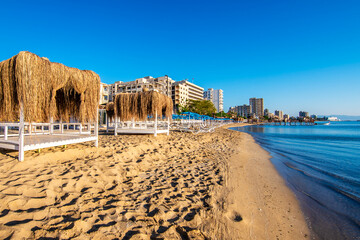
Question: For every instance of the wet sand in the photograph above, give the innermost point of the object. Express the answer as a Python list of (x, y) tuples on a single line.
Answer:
[(217, 185)]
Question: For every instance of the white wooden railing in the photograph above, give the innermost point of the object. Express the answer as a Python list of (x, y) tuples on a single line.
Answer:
[(153, 126), (45, 128), (139, 124)]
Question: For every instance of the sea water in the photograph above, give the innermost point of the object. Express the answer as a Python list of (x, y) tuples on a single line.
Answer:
[(321, 164)]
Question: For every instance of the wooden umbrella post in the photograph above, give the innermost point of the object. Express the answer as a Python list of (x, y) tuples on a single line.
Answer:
[(30, 128), (51, 126), (168, 126), (61, 126), (107, 122), (155, 124), (21, 133), (115, 130), (96, 128)]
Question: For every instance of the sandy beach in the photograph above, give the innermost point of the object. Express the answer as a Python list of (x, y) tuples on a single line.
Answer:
[(218, 185)]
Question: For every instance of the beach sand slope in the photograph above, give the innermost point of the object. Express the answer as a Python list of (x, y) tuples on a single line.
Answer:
[(183, 186)]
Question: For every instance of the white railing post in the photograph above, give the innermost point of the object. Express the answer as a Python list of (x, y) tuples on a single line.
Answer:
[(21, 133), (80, 128), (6, 132), (155, 125)]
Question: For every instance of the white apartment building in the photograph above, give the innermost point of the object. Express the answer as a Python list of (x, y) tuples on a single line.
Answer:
[(104, 93), (160, 84), (216, 97), (242, 111), (183, 91)]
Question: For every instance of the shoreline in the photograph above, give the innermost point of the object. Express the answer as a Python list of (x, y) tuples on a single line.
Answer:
[(219, 185), (272, 211)]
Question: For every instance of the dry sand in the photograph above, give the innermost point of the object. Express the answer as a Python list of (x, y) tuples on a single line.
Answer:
[(183, 186)]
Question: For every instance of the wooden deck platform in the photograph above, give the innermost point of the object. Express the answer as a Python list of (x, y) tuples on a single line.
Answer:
[(32, 142), (24, 136)]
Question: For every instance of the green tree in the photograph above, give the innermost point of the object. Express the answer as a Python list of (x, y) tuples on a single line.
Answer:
[(203, 107), (180, 108), (223, 114)]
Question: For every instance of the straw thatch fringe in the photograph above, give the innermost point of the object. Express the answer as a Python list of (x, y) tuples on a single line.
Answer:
[(110, 111), (47, 90), (139, 106)]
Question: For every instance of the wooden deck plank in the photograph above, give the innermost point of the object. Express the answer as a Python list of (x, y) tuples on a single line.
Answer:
[(40, 139), (139, 131)]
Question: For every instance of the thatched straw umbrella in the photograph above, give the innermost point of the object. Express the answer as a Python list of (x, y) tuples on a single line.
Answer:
[(138, 106), (46, 90)]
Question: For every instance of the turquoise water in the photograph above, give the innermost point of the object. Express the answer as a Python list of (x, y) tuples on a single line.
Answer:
[(321, 164)]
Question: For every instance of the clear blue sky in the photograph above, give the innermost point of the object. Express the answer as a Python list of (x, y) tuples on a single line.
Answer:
[(296, 54)]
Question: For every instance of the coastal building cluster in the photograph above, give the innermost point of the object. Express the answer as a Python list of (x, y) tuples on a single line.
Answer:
[(255, 109), (181, 92), (277, 115)]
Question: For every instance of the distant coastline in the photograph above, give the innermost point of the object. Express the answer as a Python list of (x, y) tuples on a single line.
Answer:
[(344, 117)]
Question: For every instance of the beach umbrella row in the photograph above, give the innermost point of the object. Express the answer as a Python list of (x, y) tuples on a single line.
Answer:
[(195, 116)]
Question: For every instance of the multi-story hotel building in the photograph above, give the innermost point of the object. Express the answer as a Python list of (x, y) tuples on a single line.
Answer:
[(244, 110), (257, 106), (160, 84), (104, 93), (279, 114), (216, 97), (180, 92), (184, 91)]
